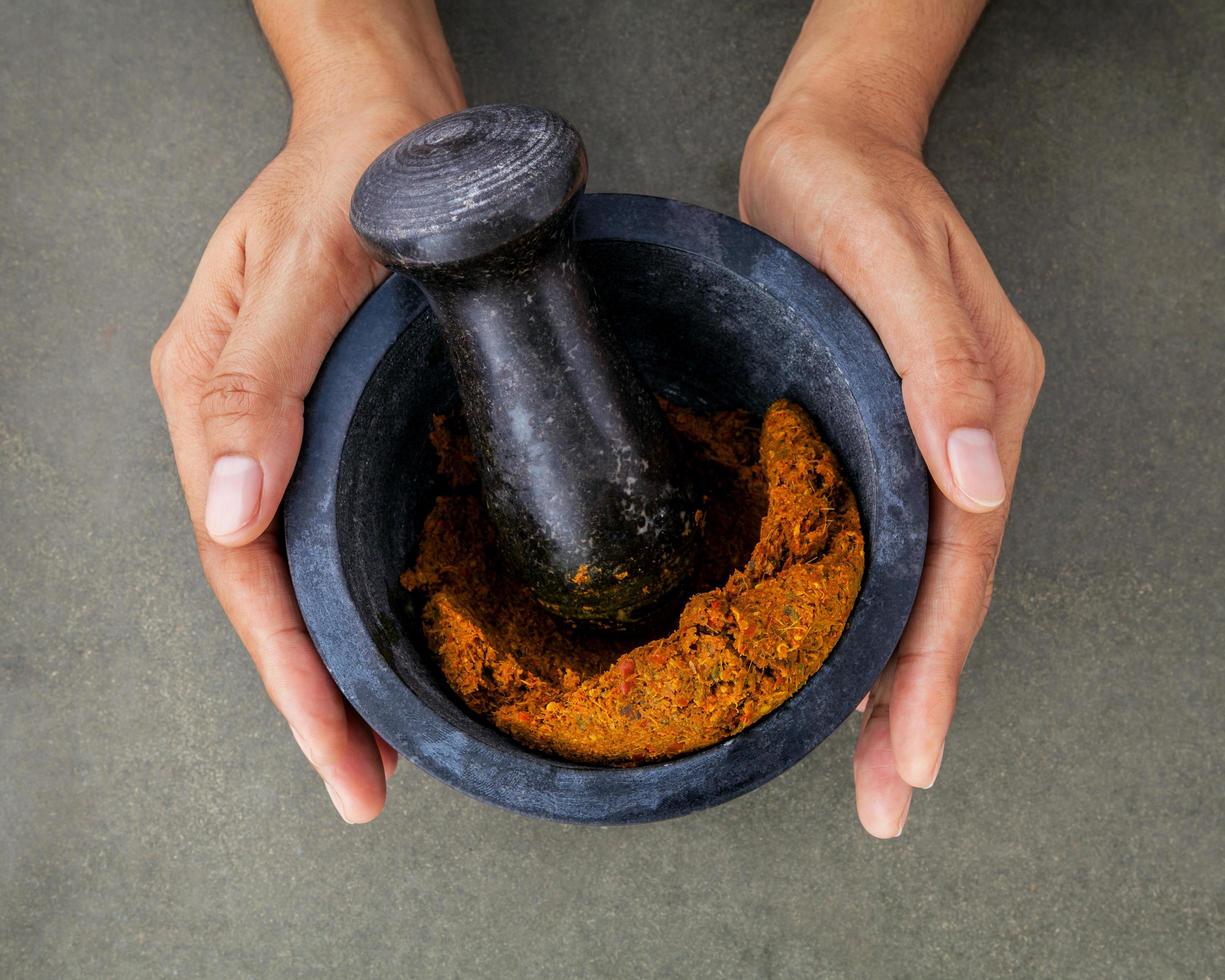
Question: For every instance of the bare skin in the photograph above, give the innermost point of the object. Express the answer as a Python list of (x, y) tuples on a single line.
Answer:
[(834, 169), (277, 282)]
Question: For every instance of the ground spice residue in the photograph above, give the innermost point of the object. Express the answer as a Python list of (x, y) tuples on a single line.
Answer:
[(781, 566)]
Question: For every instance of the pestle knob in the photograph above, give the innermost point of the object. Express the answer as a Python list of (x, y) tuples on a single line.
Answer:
[(589, 498)]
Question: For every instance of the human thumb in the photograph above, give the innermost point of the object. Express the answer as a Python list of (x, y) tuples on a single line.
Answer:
[(251, 405), (948, 380)]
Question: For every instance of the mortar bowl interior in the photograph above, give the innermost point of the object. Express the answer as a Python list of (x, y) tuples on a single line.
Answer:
[(715, 315)]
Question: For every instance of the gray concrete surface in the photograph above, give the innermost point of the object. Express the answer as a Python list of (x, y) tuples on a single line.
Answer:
[(155, 817)]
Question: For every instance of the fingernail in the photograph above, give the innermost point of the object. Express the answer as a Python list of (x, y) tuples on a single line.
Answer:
[(936, 768), (337, 801), (975, 463), (233, 495), (901, 824)]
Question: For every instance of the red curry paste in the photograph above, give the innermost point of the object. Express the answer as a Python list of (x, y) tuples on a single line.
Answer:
[(782, 562)]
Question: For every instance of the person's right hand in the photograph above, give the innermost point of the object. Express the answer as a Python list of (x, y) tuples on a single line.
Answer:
[(279, 279)]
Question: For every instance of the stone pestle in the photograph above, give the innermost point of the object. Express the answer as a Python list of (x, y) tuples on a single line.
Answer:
[(590, 499)]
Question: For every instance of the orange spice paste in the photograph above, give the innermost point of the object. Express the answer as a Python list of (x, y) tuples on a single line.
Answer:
[(780, 569)]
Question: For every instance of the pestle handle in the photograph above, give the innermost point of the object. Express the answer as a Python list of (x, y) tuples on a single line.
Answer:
[(579, 471), (461, 188)]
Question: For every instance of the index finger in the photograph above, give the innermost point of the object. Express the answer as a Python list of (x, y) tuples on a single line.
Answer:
[(948, 611), (252, 583)]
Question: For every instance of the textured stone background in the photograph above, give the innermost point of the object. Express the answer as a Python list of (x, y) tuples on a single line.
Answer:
[(156, 818)]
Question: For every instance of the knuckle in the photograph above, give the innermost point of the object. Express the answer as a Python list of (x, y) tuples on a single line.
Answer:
[(168, 367), (942, 657), (957, 362), (1023, 365), (978, 553), (1038, 362), (234, 397), (988, 595), (178, 359), (156, 359)]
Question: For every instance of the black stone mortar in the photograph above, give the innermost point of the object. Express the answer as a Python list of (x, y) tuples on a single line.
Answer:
[(715, 315)]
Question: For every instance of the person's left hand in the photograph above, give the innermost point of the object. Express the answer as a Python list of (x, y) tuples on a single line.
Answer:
[(847, 188)]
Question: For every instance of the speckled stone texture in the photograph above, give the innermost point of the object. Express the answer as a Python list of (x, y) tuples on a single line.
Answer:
[(155, 816), (580, 476), (714, 315)]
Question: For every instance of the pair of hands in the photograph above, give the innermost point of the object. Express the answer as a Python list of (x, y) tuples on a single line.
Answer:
[(284, 272)]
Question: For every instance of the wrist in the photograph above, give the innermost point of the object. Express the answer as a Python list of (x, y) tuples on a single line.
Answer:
[(370, 79), (353, 126), (374, 58), (337, 108), (876, 66), (862, 97)]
